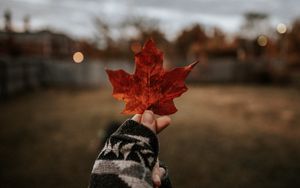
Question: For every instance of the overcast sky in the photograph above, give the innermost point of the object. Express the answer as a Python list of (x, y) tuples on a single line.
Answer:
[(75, 17)]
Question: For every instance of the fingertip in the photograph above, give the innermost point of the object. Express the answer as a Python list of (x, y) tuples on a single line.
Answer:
[(137, 118), (162, 172), (168, 119), (162, 123), (156, 180), (148, 120)]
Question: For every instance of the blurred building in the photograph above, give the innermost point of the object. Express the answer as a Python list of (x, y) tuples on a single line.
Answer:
[(29, 60), (40, 44), (43, 44)]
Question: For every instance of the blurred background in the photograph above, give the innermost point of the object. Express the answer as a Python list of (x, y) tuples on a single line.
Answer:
[(237, 126)]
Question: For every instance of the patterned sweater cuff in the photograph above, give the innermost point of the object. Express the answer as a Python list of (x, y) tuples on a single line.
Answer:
[(134, 142), (130, 127)]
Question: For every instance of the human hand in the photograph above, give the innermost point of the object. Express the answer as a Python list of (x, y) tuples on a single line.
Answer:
[(156, 125)]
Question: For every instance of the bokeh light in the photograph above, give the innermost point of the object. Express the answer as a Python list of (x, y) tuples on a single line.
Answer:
[(281, 28), (78, 57), (262, 40)]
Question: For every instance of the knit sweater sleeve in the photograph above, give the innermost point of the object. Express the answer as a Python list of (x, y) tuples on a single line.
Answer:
[(127, 159)]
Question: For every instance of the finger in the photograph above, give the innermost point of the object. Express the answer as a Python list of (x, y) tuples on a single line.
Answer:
[(137, 118), (148, 120), (162, 172), (156, 175), (156, 180), (162, 123)]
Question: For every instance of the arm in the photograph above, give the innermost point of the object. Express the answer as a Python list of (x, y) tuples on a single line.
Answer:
[(129, 155)]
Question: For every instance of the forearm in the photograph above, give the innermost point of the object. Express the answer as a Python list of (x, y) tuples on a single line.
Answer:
[(127, 158)]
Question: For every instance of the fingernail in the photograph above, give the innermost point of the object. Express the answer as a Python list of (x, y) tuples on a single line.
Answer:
[(147, 117)]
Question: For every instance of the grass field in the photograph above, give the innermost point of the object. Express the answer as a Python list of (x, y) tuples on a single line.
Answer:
[(222, 136)]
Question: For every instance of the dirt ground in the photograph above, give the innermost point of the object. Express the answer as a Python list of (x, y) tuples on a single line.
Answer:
[(222, 136)]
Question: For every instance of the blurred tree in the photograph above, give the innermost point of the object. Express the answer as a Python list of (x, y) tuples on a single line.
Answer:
[(293, 45), (8, 24), (217, 41), (255, 23), (218, 47), (194, 38), (105, 40), (144, 29), (103, 37), (141, 24), (26, 22), (116, 40)]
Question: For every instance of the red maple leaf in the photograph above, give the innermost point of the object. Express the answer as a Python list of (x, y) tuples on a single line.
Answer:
[(150, 87)]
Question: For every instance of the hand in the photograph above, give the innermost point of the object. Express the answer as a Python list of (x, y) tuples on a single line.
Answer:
[(148, 120), (156, 125)]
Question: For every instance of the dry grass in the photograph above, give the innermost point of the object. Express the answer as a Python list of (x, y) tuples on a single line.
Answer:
[(227, 136)]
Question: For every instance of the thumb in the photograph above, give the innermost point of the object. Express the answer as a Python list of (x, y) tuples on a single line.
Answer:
[(148, 120)]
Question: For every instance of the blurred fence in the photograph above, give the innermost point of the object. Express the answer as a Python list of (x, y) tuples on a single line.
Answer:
[(231, 71), (21, 75), (216, 72), (17, 76), (73, 75)]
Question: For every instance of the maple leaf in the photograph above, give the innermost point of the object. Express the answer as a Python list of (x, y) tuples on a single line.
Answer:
[(150, 87)]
